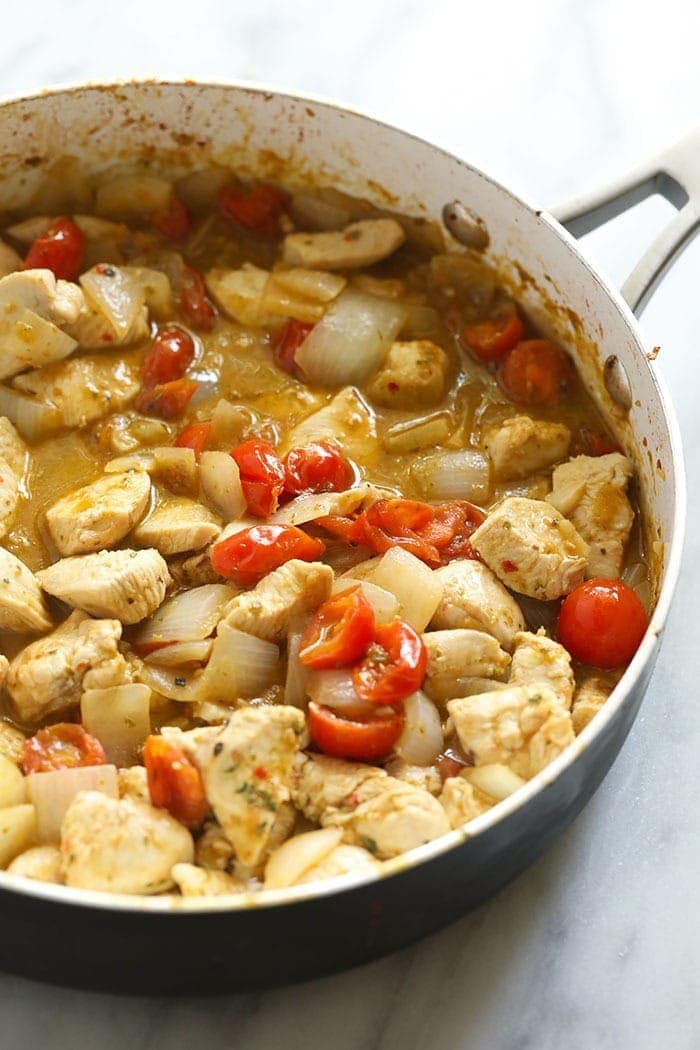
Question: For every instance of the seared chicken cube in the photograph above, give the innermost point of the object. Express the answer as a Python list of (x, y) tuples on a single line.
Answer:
[(347, 420), (538, 658), (464, 653), (9, 496), (462, 802), (293, 590), (522, 446), (473, 598), (202, 882), (212, 849), (100, 514), (22, 606), (343, 860), (42, 863), (591, 492), (589, 697), (12, 449), (38, 290), (413, 375), (132, 782), (11, 738), (426, 777), (359, 244), (116, 670), (85, 388), (177, 525), (532, 548)]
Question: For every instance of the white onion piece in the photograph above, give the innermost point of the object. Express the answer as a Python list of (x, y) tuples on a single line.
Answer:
[(221, 484), (444, 687), (175, 654), (314, 211), (289, 861), (496, 780), (176, 467), (13, 789), (385, 605), (318, 285), (229, 422), (351, 340), (34, 419), (180, 685), (240, 665), (454, 475), (297, 675), (115, 294), (414, 435), (128, 197), (312, 505), (415, 585), (335, 689), (120, 718), (52, 793), (187, 617), (421, 739)]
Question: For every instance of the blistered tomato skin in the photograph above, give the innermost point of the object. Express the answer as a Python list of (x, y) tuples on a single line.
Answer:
[(340, 633), (357, 741), (174, 782), (602, 623), (60, 250), (250, 554), (61, 746)]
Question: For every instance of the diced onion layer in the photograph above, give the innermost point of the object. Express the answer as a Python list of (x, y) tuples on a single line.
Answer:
[(52, 793), (34, 419), (454, 475), (188, 617), (295, 856), (114, 293), (336, 689), (120, 718), (385, 605), (496, 780), (221, 484), (240, 666), (415, 585), (421, 740)]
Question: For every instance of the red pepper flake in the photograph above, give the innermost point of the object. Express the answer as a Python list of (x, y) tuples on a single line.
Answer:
[(509, 566), (260, 772)]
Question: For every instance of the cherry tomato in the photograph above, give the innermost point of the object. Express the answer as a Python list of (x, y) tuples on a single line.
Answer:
[(262, 476), (346, 738), (489, 340), (286, 343), (588, 443), (174, 782), (61, 746), (396, 523), (258, 209), (453, 523), (338, 526), (319, 467), (536, 372), (250, 554), (167, 400), (172, 222), (394, 666), (199, 312), (196, 436), (171, 354), (340, 632), (60, 250), (602, 623)]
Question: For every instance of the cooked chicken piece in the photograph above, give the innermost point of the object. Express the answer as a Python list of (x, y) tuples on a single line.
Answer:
[(239, 293), (523, 726), (522, 446), (12, 449), (413, 375), (11, 738), (22, 606), (42, 863), (473, 598), (120, 845), (85, 388), (202, 882), (133, 783), (292, 591), (127, 585), (246, 769), (360, 244), (464, 653), (346, 420), (13, 463), (100, 514), (212, 849), (589, 697), (112, 672), (46, 677), (343, 860), (591, 492), (462, 802), (538, 658), (9, 497), (177, 525), (38, 291), (4, 665), (376, 811), (426, 777), (532, 548), (194, 570), (9, 260), (175, 468)]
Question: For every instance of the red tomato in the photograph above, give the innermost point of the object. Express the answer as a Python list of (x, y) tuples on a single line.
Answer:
[(258, 209), (60, 250), (536, 372), (588, 443), (286, 343), (171, 354), (319, 467), (602, 623), (262, 476), (340, 632), (250, 554), (196, 307), (196, 436), (61, 746), (394, 666), (453, 523), (396, 523), (489, 340), (174, 782), (173, 222), (167, 400), (346, 738), (338, 526)]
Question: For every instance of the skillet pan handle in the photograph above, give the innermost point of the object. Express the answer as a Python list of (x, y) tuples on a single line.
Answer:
[(675, 174)]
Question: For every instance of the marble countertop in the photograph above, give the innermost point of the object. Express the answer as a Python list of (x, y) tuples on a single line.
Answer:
[(597, 945)]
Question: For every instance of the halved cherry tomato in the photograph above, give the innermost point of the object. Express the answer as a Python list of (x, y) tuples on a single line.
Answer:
[(340, 632), (337, 525), (394, 666), (396, 523), (286, 343), (250, 554), (453, 523), (167, 400), (258, 209), (346, 738), (602, 623), (196, 436), (536, 372), (490, 340), (194, 303), (171, 354), (172, 222), (318, 467), (174, 782), (589, 443), (61, 746), (262, 476), (60, 250)]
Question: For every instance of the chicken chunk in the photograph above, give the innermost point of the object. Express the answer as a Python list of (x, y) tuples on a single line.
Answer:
[(426, 777), (343, 860), (213, 850), (524, 727), (522, 446), (46, 677), (177, 525), (12, 449), (100, 514), (293, 590), (22, 606), (38, 290), (126, 585), (532, 548), (474, 598), (538, 658), (85, 388), (116, 670), (464, 653), (360, 244), (32, 307), (9, 496), (591, 492), (413, 375), (120, 845), (589, 697), (246, 769), (42, 863), (132, 782), (11, 738), (239, 293), (462, 802), (202, 882), (347, 420)]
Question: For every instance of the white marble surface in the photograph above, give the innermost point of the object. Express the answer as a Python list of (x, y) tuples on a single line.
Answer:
[(597, 946)]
